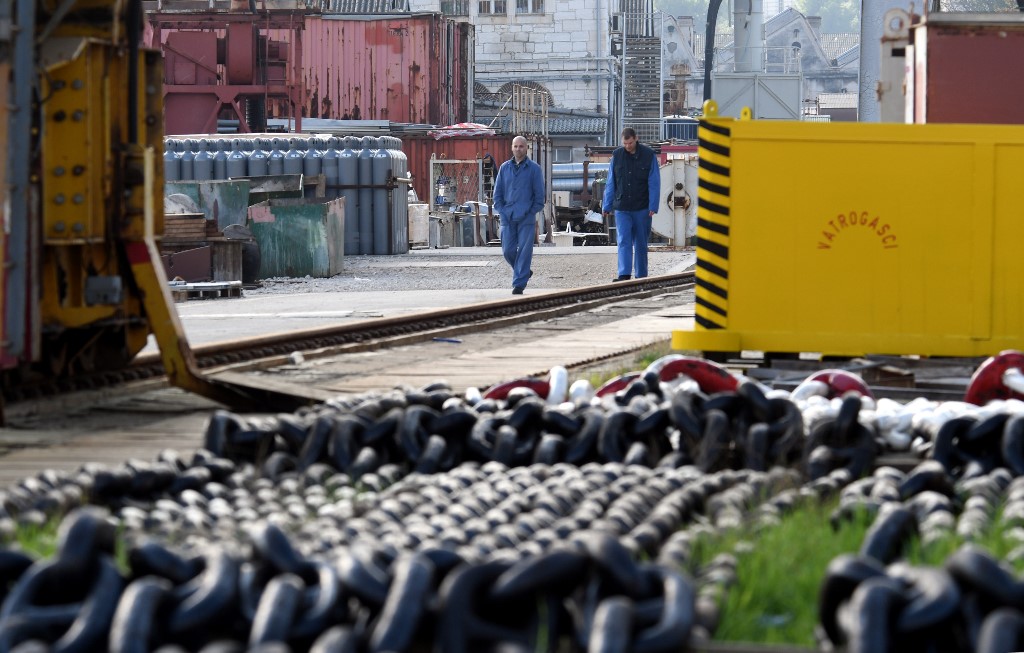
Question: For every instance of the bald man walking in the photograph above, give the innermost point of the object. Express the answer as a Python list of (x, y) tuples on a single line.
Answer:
[(518, 196)]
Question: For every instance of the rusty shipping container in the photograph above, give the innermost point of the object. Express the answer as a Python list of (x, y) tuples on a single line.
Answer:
[(404, 68), (963, 68), (419, 150)]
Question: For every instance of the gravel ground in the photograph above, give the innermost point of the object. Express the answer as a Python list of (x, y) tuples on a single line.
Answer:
[(473, 268)]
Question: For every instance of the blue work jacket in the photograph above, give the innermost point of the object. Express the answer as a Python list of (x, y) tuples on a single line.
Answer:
[(519, 190)]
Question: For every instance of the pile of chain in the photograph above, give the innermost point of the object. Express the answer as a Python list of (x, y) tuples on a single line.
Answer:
[(549, 561), (647, 423), (386, 521), (874, 601)]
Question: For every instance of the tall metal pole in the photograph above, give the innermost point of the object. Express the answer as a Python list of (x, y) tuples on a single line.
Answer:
[(872, 13), (661, 79), (622, 67)]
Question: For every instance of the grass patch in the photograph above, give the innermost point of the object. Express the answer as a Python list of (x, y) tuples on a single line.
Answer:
[(991, 539), (40, 542), (641, 359), (778, 578), (775, 598)]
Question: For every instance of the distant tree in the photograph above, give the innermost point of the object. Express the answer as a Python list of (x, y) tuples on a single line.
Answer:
[(836, 15)]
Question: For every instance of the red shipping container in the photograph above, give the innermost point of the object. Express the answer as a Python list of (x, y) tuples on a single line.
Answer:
[(404, 68), (419, 149), (964, 68)]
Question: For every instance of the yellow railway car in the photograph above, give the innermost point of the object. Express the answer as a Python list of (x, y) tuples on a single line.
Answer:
[(81, 287)]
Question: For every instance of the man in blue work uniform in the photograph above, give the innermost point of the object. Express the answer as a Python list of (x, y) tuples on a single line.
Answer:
[(518, 195), (632, 192)]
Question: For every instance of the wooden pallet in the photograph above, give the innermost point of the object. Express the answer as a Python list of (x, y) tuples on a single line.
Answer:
[(214, 290)]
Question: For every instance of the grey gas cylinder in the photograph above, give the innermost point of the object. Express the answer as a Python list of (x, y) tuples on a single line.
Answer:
[(330, 167), (369, 148), (172, 161), (312, 165), (188, 156), (348, 175), (238, 163), (220, 159), (275, 160), (382, 171), (293, 158), (399, 199), (258, 162), (202, 164)]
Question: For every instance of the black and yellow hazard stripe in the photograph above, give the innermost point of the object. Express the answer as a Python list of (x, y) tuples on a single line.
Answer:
[(712, 293)]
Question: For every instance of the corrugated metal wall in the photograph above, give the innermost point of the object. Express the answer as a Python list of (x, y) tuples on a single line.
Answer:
[(418, 151), (405, 69)]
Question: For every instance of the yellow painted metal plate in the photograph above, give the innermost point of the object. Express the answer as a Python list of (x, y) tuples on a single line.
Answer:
[(868, 238)]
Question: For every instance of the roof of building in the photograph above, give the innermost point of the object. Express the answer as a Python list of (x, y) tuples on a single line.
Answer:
[(850, 57), (567, 125), (780, 19), (838, 43), (367, 6), (837, 101)]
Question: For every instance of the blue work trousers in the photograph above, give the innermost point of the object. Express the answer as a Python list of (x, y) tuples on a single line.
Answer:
[(517, 245), (632, 231)]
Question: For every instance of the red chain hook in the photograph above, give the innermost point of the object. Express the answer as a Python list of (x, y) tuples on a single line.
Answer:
[(988, 383), (710, 376), (840, 382)]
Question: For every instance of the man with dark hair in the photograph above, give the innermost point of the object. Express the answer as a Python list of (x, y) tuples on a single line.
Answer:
[(518, 195), (632, 192)]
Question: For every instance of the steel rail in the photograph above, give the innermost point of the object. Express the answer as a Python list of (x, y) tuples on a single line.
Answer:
[(273, 349)]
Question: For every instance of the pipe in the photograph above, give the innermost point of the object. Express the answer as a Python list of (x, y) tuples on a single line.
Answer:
[(709, 45), (552, 112), (600, 48), (500, 78), (572, 184), (563, 170)]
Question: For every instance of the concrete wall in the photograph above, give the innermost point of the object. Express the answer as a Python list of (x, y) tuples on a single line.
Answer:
[(563, 50)]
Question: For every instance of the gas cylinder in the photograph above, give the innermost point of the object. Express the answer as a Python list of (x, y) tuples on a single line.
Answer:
[(172, 161), (275, 160), (202, 164), (330, 167), (258, 163), (220, 159), (399, 199), (369, 148), (293, 158), (382, 172), (187, 157), (348, 175), (238, 163), (312, 163)]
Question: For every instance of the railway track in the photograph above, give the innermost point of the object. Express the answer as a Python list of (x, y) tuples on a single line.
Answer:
[(268, 351)]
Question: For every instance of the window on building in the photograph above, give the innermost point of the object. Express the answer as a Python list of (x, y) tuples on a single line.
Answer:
[(492, 7), (529, 6), (563, 155), (455, 7)]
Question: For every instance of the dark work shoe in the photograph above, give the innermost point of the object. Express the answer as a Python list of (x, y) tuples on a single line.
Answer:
[(621, 277), (518, 290)]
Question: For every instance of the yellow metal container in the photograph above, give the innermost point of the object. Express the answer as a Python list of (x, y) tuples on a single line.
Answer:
[(857, 238)]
